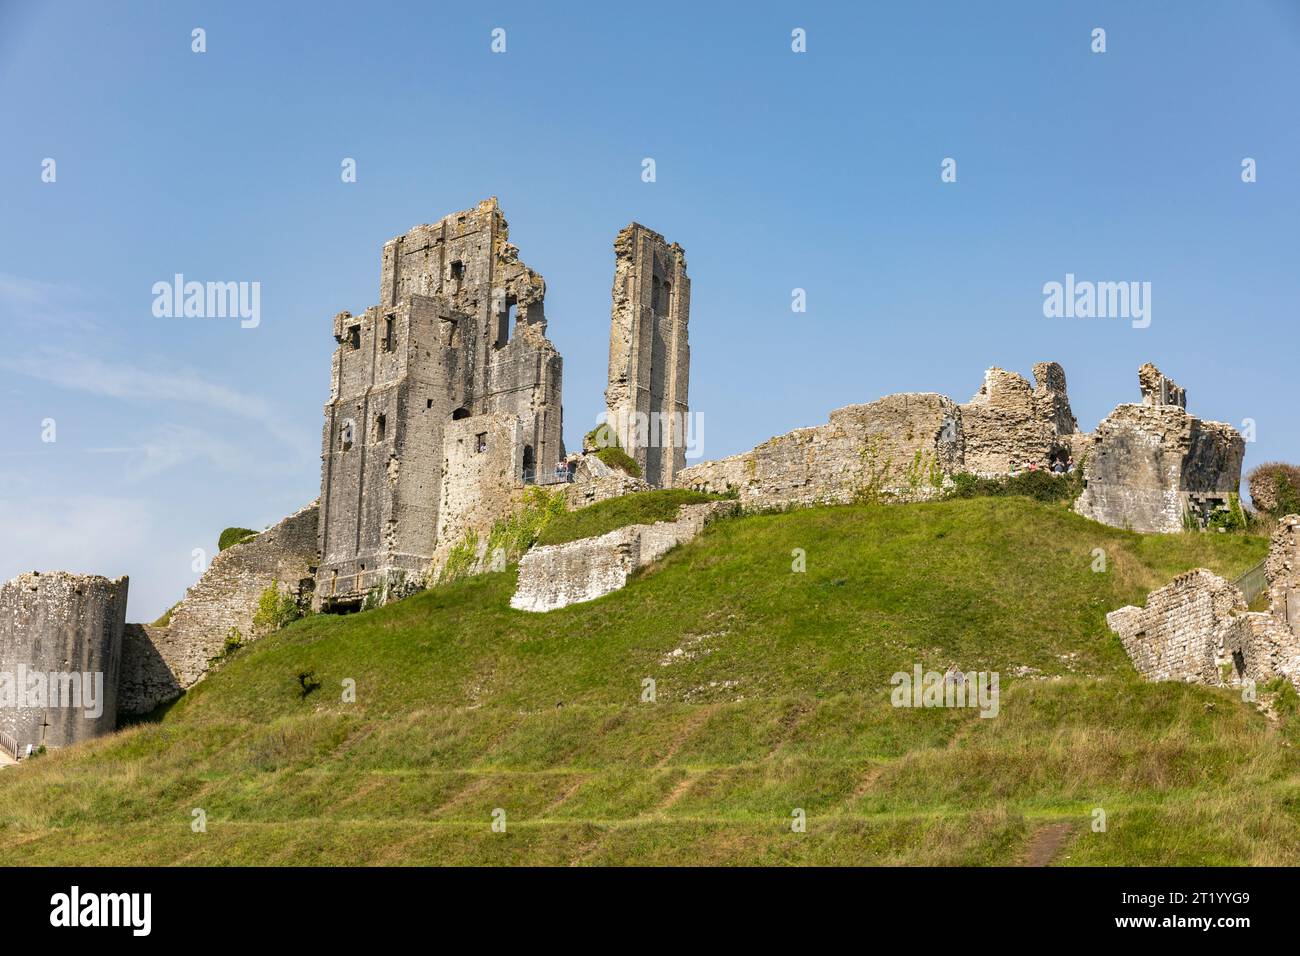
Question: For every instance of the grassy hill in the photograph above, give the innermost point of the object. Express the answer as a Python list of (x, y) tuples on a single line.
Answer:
[(772, 694)]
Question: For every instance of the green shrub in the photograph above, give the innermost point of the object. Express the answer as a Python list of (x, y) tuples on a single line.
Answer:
[(1275, 488), (1039, 485), (1229, 519), (233, 642), (275, 609), (307, 682), (233, 536), (1286, 491)]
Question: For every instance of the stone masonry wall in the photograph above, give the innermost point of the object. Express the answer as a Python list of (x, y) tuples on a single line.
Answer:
[(649, 352), (60, 624), (1197, 629), (1283, 573), (1150, 464), (889, 441), (1010, 424), (460, 331), (555, 576), (223, 601), (1144, 461), (482, 478), (1175, 636)]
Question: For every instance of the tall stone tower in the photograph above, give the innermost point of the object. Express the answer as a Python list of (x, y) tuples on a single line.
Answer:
[(649, 352), (460, 332)]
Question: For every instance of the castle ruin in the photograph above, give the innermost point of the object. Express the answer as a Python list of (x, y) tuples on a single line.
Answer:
[(1151, 466), (445, 406), (1199, 628), (649, 353), (459, 336)]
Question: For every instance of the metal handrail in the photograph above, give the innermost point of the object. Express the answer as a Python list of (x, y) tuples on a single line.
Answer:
[(9, 744), (1253, 582)]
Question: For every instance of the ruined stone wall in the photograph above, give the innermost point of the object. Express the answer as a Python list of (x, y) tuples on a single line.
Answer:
[(460, 331), (587, 490), (555, 576), (890, 444), (1176, 635), (222, 601), (482, 477), (649, 352), (1282, 570), (1197, 629), (1010, 424), (1159, 389), (392, 393), (1144, 461), (54, 625)]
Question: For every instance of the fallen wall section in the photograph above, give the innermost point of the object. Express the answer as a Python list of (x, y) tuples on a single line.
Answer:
[(557, 575)]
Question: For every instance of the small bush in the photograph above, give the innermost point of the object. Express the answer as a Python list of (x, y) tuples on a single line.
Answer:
[(307, 682), (1230, 519), (233, 536), (233, 642)]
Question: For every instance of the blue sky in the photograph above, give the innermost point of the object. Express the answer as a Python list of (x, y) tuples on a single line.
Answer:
[(775, 171)]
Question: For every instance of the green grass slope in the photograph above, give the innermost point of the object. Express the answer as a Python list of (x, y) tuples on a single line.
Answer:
[(772, 696)]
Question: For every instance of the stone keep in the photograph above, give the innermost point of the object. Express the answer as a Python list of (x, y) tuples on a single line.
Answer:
[(460, 331), (649, 352), (66, 628)]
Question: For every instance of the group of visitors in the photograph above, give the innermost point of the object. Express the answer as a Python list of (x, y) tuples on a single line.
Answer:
[(1057, 466)]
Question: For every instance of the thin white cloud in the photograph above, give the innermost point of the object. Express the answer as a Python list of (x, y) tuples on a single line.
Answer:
[(88, 534), (124, 380), (48, 304), (97, 534), (170, 446)]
